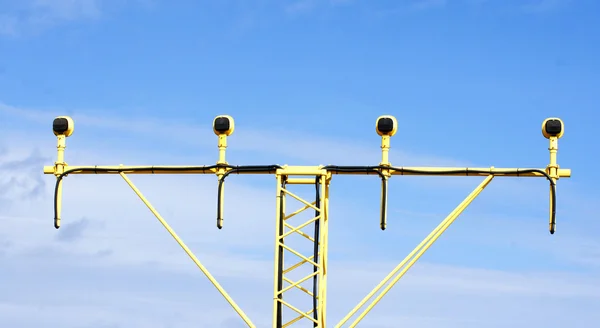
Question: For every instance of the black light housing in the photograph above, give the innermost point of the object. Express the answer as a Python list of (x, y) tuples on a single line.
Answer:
[(63, 125), (223, 125), (553, 128)]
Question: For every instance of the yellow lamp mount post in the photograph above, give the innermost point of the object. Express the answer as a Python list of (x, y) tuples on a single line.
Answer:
[(319, 177)]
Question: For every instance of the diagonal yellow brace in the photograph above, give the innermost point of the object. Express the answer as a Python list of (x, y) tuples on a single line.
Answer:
[(290, 281), (297, 229), (296, 319), (414, 255), (291, 250), (304, 314), (305, 207), (298, 198), (189, 253), (297, 283), (301, 233), (297, 265)]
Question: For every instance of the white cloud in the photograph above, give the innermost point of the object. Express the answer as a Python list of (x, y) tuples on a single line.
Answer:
[(246, 138), (32, 16), (115, 265), (35, 15), (78, 294)]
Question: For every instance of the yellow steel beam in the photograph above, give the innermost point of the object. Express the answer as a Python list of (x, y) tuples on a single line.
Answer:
[(304, 170), (188, 252), (278, 271), (411, 259), (324, 251)]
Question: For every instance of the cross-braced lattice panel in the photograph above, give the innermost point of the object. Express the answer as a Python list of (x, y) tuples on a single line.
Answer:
[(303, 269)]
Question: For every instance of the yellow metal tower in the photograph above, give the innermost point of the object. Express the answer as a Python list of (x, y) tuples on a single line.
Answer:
[(319, 178)]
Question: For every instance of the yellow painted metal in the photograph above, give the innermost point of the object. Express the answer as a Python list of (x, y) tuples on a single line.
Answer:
[(302, 170), (307, 170), (554, 172), (221, 171), (324, 252), (278, 262), (188, 252), (411, 259), (58, 168), (222, 149), (134, 169), (475, 171), (309, 181), (279, 303), (386, 173), (320, 176), (385, 150)]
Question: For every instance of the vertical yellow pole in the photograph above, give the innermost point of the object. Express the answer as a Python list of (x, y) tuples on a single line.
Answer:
[(385, 150), (221, 171), (222, 148), (385, 161), (60, 158), (59, 168), (324, 238), (277, 281), (282, 240), (282, 216)]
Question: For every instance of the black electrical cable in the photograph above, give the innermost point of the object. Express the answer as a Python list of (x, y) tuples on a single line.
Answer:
[(154, 169), (467, 171), (239, 169), (318, 211), (367, 169), (499, 172), (330, 168)]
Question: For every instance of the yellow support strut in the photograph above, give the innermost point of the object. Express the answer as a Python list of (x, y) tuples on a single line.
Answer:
[(188, 252), (414, 256)]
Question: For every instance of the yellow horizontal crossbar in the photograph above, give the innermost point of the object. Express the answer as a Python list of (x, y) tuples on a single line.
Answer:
[(476, 171), (308, 170), (458, 171), (137, 169), (303, 181)]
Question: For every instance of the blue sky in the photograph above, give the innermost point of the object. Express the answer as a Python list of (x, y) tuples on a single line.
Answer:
[(470, 82)]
